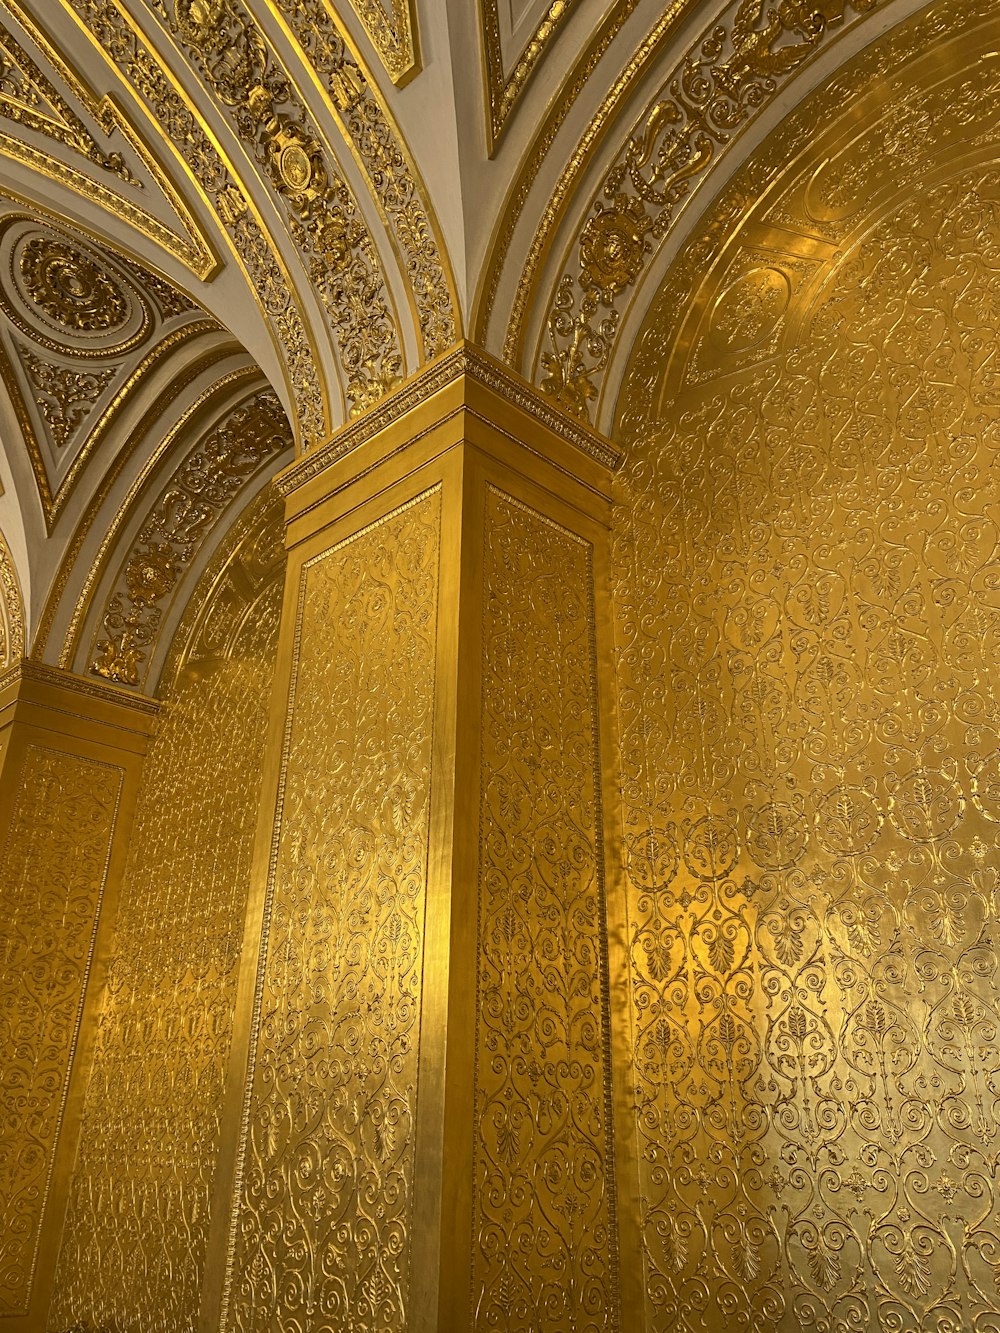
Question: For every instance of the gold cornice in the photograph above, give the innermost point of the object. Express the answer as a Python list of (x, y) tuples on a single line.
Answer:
[(50, 677), (464, 361)]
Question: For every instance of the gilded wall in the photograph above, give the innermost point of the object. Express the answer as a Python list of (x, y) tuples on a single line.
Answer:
[(324, 1215), (808, 613), (53, 869), (134, 1244), (545, 1246)]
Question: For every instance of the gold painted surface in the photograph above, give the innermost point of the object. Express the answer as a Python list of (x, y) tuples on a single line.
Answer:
[(52, 879), (134, 1247), (544, 1237), (322, 1226), (808, 622), (11, 609)]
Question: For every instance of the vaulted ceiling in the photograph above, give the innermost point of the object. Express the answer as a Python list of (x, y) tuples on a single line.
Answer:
[(226, 226)]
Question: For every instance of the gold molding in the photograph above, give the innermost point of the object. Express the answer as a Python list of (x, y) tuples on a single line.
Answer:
[(251, 376), (192, 246), (560, 108), (11, 608), (89, 516), (397, 42), (114, 33), (353, 99), (503, 90), (466, 360), (237, 447), (53, 503), (41, 674)]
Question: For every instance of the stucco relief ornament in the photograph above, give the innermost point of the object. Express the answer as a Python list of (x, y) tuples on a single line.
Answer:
[(69, 288), (613, 247)]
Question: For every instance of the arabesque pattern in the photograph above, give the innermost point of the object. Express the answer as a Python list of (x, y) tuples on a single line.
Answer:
[(135, 1243), (324, 1220), (809, 625), (52, 879), (544, 1236)]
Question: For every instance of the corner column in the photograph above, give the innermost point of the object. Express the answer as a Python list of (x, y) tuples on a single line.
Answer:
[(70, 757), (426, 1076)]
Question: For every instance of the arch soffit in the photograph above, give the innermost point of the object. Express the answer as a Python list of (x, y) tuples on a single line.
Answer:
[(917, 106)]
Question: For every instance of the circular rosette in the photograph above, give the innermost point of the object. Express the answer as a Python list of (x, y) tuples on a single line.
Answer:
[(67, 295)]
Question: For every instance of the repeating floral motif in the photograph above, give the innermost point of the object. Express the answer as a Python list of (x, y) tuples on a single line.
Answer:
[(809, 624), (323, 1215), (544, 1235), (52, 880), (134, 1246)]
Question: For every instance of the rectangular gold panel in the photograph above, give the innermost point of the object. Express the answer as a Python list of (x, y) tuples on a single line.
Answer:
[(134, 1246), (322, 1231), (545, 1244), (53, 873)]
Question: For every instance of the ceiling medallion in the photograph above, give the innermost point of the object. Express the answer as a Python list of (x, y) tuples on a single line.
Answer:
[(69, 287), (67, 296)]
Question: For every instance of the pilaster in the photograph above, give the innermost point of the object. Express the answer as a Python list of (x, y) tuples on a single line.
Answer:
[(430, 1068)]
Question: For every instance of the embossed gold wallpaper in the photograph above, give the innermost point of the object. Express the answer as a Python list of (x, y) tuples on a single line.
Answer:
[(499, 682)]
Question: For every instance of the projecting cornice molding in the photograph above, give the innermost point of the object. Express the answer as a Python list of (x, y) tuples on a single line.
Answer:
[(467, 362)]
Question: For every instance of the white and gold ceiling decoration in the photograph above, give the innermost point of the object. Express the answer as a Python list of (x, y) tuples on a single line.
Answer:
[(327, 195)]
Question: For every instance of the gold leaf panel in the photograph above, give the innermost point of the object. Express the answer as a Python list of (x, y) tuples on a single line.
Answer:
[(134, 1247), (52, 880), (544, 1231), (324, 1207)]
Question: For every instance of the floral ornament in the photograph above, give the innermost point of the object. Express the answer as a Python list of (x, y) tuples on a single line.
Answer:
[(151, 574), (613, 246), (69, 287)]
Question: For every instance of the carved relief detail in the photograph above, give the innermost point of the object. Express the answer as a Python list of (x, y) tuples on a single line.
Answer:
[(391, 174), (64, 395), (134, 1247), (112, 30), (543, 1212), (734, 70), (807, 626), (328, 227), (323, 1218), (12, 645), (248, 437), (52, 878)]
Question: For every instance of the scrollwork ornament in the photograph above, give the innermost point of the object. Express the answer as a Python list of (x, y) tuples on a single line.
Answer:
[(734, 70)]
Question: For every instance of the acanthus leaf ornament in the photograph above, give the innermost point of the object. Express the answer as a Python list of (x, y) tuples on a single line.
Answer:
[(225, 41)]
